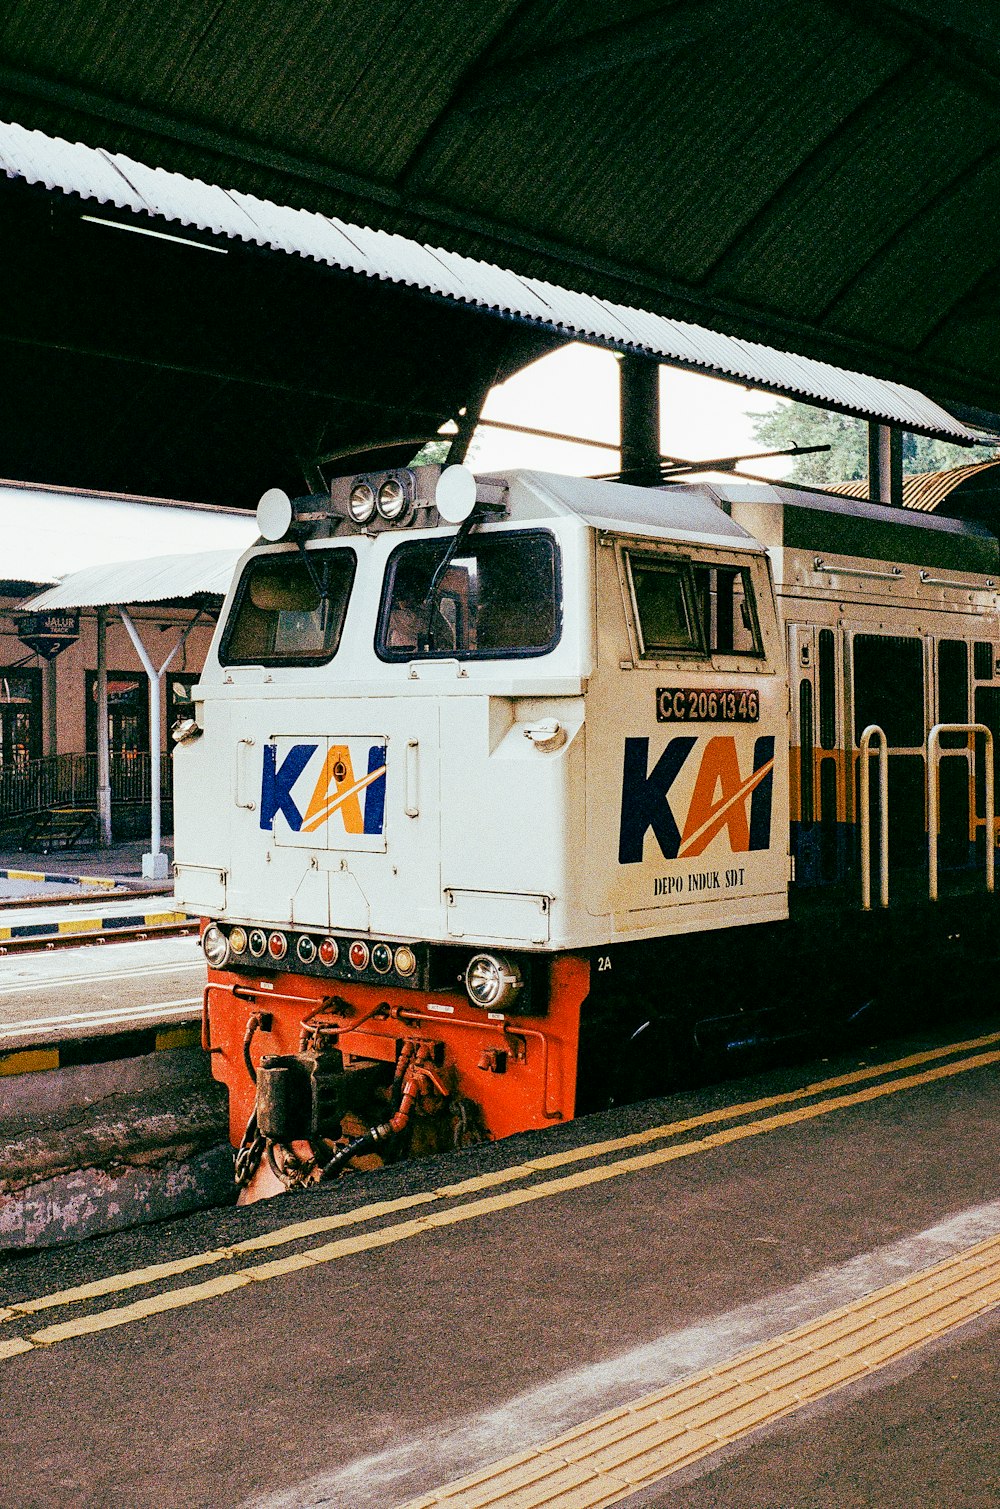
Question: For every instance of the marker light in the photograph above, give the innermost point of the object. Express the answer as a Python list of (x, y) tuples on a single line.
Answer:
[(216, 946), (358, 954), (361, 503), (258, 943), (306, 950), (328, 952), (392, 499), (492, 981), (382, 958), (277, 945), (405, 961), (238, 940)]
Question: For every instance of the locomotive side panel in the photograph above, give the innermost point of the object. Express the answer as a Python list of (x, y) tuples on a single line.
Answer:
[(687, 771)]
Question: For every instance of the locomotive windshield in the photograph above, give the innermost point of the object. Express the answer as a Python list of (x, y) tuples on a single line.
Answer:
[(497, 598), (289, 611)]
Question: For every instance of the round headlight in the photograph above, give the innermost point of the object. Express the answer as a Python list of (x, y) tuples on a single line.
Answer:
[(216, 946), (361, 503), (392, 499), (405, 961), (492, 981), (238, 940)]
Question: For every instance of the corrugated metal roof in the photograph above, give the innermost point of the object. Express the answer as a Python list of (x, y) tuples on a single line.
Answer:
[(924, 491), (162, 578), (117, 180)]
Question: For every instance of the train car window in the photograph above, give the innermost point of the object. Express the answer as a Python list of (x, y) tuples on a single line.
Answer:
[(889, 688), (806, 754), (953, 688), (667, 617), (827, 690), (287, 612), (500, 598), (988, 712), (982, 660), (687, 608), (726, 604)]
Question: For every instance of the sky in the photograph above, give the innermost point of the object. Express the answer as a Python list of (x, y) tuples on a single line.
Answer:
[(574, 391)]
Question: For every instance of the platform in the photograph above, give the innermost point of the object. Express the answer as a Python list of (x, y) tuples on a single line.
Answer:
[(481, 1313)]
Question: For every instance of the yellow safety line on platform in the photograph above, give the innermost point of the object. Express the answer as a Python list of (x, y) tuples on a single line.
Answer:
[(299, 1230), (389, 1235), (609, 1458)]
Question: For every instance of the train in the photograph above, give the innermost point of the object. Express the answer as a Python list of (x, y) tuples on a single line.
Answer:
[(506, 795)]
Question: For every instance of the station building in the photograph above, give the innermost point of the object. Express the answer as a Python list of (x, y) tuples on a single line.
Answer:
[(49, 662)]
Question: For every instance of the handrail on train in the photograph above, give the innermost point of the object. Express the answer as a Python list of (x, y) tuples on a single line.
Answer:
[(874, 735), (934, 756)]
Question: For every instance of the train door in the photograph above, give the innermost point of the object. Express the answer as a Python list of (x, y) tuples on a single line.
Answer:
[(889, 679), (818, 788)]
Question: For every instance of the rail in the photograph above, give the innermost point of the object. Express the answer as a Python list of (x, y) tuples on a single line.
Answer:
[(934, 756), (874, 735), (31, 786)]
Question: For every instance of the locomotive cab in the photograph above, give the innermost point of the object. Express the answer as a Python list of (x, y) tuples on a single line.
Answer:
[(444, 769)]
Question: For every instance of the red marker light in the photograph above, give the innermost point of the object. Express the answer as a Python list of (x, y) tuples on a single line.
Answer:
[(358, 954), (277, 945), (328, 952)]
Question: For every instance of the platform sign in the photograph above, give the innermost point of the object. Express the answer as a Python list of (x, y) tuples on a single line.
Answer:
[(48, 634)]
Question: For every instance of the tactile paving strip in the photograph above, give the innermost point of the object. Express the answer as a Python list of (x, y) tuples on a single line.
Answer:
[(605, 1460)]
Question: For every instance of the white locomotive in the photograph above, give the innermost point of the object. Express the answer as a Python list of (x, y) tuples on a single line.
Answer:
[(497, 792)]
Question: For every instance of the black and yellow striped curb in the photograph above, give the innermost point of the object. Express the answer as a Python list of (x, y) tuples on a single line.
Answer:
[(107, 882), (81, 926), (73, 1053)]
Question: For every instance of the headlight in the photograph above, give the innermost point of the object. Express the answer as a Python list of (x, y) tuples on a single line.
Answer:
[(361, 502), (392, 499), (216, 946), (492, 981), (405, 961)]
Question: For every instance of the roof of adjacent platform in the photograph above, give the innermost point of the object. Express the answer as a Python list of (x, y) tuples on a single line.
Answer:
[(162, 579), (821, 177)]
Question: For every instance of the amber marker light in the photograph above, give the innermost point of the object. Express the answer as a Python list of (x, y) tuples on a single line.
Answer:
[(238, 940)]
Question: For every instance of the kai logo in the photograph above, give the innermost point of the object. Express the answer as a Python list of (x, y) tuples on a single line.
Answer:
[(359, 801), (719, 800)]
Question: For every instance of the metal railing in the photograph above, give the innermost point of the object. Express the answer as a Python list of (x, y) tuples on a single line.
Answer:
[(70, 780), (874, 735), (934, 756)]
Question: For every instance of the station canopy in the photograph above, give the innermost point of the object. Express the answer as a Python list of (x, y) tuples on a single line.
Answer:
[(824, 178), (178, 337)]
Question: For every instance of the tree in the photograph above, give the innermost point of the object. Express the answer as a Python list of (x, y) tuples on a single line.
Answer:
[(847, 459)]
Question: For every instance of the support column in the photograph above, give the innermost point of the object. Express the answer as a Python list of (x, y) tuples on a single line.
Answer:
[(103, 735), (51, 709), (639, 377), (155, 865), (885, 464)]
